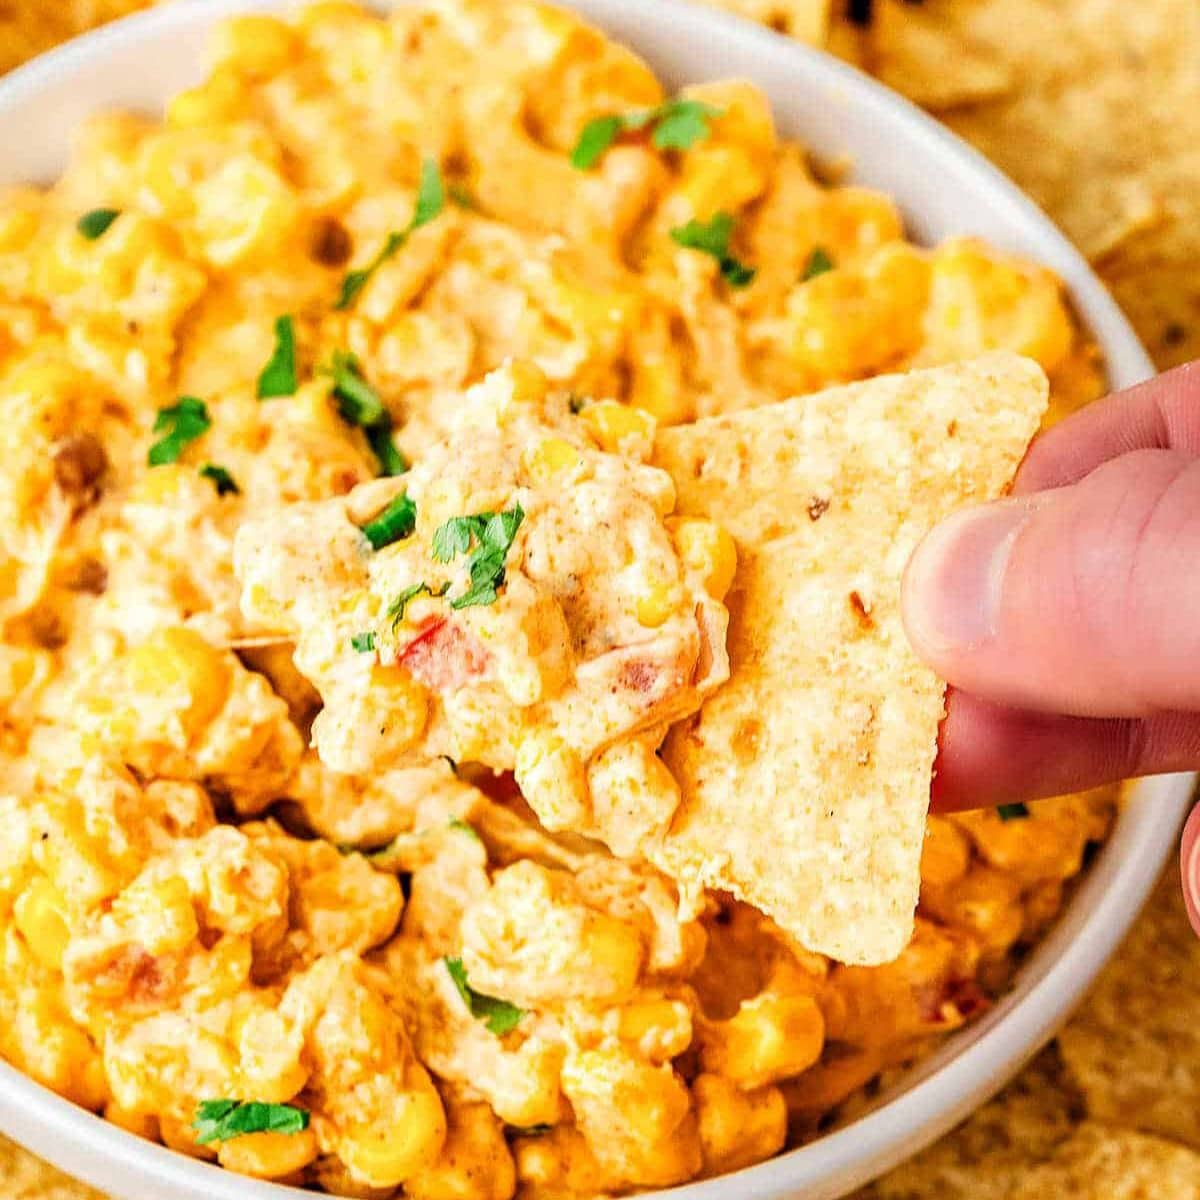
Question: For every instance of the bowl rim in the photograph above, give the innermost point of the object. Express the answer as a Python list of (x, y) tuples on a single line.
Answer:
[(970, 1065)]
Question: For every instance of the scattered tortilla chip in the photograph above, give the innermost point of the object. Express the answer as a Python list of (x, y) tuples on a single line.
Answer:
[(1133, 1049), (805, 20), (1098, 1162), (805, 779), (986, 1157), (24, 1177), (937, 66), (1103, 214)]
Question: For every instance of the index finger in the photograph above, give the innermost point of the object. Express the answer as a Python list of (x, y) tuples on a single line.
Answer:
[(1160, 414)]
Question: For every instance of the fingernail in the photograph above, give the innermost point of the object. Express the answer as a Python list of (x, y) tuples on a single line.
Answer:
[(954, 583)]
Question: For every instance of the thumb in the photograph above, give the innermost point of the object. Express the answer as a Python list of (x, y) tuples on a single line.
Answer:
[(1083, 600)]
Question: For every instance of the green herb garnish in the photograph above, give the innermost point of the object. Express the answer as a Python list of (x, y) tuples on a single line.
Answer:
[(499, 1016), (431, 198), (1012, 812), (818, 263), (360, 404), (278, 377), (399, 606), (678, 125), (220, 1120), (492, 535), (396, 521), (460, 194), (389, 456), (221, 478), (95, 224), (182, 422), (712, 238), (364, 643)]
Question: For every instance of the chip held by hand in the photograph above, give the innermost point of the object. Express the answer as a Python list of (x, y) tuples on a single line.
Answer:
[(805, 778)]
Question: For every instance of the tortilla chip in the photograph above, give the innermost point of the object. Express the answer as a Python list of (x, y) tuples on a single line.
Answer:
[(805, 779), (1133, 1049), (987, 1156), (805, 20), (1101, 1163), (27, 1178), (934, 64)]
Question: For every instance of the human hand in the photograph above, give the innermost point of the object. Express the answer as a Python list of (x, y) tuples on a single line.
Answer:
[(1067, 617)]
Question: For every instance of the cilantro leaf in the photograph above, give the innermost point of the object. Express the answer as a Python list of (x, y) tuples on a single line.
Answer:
[(682, 123), (431, 195), (95, 224), (594, 139), (678, 125), (180, 423), (360, 404), (492, 535), (221, 1120), (396, 521), (712, 238), (364, 643), (221, 478), (278, 377), (399, 606), (1012, 812), (499, 1016), (431, 199), (818, 263)]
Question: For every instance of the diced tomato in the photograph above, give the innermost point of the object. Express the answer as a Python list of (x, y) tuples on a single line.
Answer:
[(444, 656)]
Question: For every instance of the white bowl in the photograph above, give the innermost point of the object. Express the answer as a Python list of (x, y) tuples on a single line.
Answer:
[(944, 188)]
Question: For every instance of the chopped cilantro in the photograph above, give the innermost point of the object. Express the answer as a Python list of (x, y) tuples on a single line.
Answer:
[(499, 1016), (399, 606), (180, 423), (712, 238), (396, 521), (1012, 812), (461, 826), (492, 534), (278, 377), (220, 1120), (95, 224), (221, 479), (818, 263), (360, 404), (364, 643), (431, 198), (678, 125)]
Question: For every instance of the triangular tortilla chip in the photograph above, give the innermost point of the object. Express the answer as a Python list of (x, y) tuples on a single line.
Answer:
[(806, 777)]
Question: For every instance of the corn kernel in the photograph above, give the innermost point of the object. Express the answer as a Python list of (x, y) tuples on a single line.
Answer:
[(658, 1029), (387, 1152), (217, 99), (160, 485), (709, 551), (656, 605), (770, 1038), (40, 914), (255, 45), (268, 1155), (529, 383), (552, 456), (552, 779), (179, 665), (140, 1124), (618, 428), (737, 1128)]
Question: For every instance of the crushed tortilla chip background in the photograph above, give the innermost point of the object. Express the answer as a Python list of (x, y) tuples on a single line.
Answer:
[(1093, 107)]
